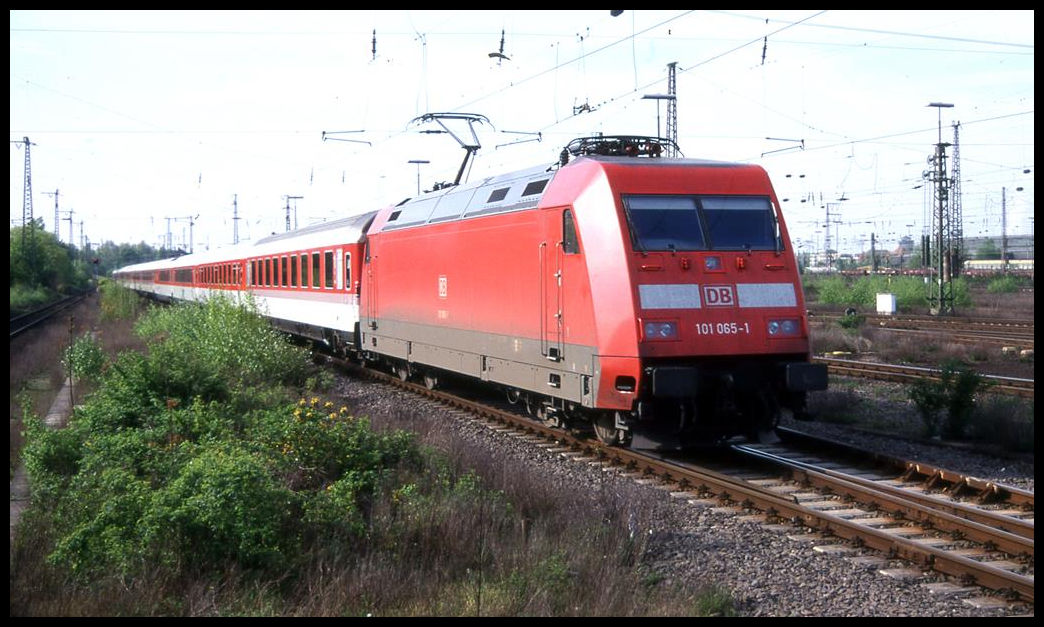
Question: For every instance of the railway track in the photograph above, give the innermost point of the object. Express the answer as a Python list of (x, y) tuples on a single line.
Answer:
[(908, 374), (21, 324), (1018, 333), (977, 532), (908, 321)]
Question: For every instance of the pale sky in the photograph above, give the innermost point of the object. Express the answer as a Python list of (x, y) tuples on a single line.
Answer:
[(144, 120)]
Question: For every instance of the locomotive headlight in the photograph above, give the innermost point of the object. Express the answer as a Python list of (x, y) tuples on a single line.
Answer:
[(660, 330), (787, 327)]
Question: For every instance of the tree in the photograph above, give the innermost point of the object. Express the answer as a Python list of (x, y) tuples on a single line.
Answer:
[(988, 250)]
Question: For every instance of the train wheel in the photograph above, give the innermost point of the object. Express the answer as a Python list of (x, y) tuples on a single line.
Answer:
[(403, 372), (431, 381), (605, 429)]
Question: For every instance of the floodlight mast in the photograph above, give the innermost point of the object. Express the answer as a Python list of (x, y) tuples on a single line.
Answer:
[(471, 119)]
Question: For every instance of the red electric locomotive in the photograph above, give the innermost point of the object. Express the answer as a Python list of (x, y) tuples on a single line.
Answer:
[(657, 299)]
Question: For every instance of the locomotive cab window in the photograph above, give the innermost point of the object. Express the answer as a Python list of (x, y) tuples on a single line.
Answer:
[(676, 223), (740, 222)]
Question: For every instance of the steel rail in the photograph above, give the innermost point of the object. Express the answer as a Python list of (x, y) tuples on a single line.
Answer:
[(948, 517)]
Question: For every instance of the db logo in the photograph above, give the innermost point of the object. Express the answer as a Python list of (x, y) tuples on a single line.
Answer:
[(719, 296), (443, 286)]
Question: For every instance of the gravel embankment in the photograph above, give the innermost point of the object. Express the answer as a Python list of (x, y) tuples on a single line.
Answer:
[(767, 572)]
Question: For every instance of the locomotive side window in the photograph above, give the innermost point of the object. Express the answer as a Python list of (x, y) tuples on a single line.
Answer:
[(328, 269), (740, 222), (570, 243), (348, 271)]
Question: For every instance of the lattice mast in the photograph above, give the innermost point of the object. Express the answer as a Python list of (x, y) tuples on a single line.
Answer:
[(940, 296), (27, 198), (957, 256), (672, 110)]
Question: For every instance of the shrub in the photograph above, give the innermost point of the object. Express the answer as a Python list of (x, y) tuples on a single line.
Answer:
[(1003, 285), (84, 358), (117, 302), (962, 385), (910, 292), (223, 506), (209, 349), (955, 391), (929, 397)]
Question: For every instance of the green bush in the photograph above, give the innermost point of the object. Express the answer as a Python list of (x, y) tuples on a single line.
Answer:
[(117, 302), (1003, 285), (210, 349), (223, 506), (24, 298), (84, 358), (910, 291), (955, 391), (962, 384)]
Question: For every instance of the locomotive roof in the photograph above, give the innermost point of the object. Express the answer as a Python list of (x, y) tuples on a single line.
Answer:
[(513, 191)]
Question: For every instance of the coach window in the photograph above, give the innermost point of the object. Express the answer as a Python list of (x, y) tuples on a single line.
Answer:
[(348, 271), (570, 244), (328, 269), (304, 271), (278, 267), (316, 270), (286, 272), (293, 271), (268, 272)]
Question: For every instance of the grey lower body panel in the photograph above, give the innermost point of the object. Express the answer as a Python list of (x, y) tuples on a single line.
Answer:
[(507, 360)]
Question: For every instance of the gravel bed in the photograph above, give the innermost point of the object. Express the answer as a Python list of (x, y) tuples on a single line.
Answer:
[(700, 545)]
